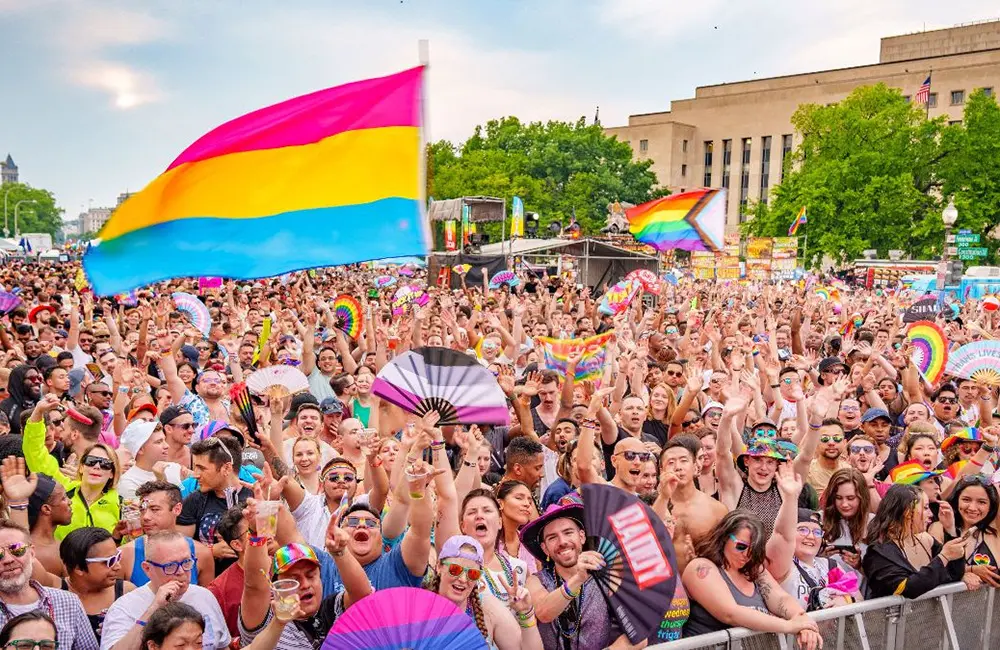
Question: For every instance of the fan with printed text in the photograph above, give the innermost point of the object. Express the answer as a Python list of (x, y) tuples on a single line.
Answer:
[(978, 361), (277, 382)]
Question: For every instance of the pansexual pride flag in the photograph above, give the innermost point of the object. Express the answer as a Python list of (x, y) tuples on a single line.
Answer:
[(328, 178), (690, 221)]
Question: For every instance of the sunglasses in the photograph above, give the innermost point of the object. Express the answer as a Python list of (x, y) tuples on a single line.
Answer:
[(769, 432), (862, 449), (788, 380), (31, 644), (632, 456), (838, 371), (96, 461), (17, 549), (806, 531), (688, 423), (218, 443), (361, 522), (455, 570), (187, 426), (969, 447), (836, 439), (336, 477), (109, 562), (671, 373), (741, 547), (104, 393), (56, 422), (948, 400), (714, 413)]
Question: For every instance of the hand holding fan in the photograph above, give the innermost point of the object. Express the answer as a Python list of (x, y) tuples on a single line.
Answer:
[(930, 349), (504, 277), (240, 396), (427, 621), (443, 380), (195, 310), (462, 269), (978, 361), (647, 279), (277, 382), (618, 297), (8, 302), (347, 315)]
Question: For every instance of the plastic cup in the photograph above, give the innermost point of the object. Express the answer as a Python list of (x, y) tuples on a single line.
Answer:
[(415, 479), (367, 437), (267, 518), (286, 596), (133, 523)]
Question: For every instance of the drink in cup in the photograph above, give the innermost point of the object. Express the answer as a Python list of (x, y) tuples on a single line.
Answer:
[(132, 516), (267, 518), (415, 479), (367, 437), (286, 597)]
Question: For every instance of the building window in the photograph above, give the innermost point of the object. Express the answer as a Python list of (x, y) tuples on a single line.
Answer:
[(744, 176), (727, 161), (786, 150), (765, 167), (643, 146), (954, 122), (906, 98), (684, 170), (988, 91), (684, 146), (957, 97), (709, 145), (932, 100)]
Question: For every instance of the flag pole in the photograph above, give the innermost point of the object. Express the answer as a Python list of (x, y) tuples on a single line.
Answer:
[(424, 57), (927, 104)]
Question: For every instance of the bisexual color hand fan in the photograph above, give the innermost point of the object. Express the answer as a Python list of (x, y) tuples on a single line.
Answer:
[(277, 381), (194, 309), (404, 617), (8, 302), (443, 380)]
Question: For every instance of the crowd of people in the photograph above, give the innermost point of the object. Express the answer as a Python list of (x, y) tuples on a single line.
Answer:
[(795, 467)]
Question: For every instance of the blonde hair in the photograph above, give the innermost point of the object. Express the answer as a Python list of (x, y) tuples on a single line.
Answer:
[(112, 456)]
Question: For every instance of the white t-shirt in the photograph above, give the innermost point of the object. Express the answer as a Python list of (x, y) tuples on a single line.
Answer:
[(311, 518), (125, 611), (319, 385), (80, 358), (136, 476)]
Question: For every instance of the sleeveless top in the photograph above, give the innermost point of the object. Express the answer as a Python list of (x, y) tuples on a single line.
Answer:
[(701, 622), (982, 555), (96, 620), (589, 629), (763, 504), (139, 577)]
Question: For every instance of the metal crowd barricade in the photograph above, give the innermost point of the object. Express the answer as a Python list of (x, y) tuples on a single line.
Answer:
[(947, 618)]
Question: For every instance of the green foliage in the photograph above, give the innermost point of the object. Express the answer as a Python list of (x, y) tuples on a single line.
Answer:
[(43, 216), (556, 168), (872, 169)]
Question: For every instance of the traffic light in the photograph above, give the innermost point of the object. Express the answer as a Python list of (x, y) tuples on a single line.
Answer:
[(956, 268)]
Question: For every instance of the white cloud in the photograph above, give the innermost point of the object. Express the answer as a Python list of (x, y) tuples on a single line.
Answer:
[(127, 87)]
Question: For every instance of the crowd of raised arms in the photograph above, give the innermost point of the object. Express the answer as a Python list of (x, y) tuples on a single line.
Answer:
[(796, 468)]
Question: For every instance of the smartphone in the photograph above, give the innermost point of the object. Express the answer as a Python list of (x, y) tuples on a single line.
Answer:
[(844, 549)]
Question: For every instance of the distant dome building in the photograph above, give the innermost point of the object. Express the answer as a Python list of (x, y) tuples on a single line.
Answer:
[(8, 171)]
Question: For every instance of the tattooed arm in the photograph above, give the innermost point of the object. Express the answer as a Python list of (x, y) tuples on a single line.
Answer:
[(779, 602)]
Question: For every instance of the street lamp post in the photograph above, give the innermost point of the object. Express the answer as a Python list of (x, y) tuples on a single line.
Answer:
[(6, 231), (17, 207), (949, 216)]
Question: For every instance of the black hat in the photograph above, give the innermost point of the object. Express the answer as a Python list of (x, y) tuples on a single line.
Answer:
[(171, 413)]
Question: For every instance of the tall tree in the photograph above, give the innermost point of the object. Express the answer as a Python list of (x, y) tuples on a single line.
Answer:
[(865, 171), (41, 216), (557, 168)]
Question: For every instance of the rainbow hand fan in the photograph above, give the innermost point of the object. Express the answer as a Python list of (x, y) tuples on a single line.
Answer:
[(277, 382), (195, 310), (930, 349), (347, 315), (502, 278), (618, 297), (239, 395), (427, 621), (979, 361), (647, 279), (822, 292), (384, 281)]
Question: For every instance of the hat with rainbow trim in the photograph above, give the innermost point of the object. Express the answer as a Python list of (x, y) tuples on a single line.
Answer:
[(288, 555), (966, 434), (912, 473)]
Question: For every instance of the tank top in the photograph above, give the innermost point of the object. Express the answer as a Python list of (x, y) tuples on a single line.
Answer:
[(701, 622), (590, 629), (139, 577), (96, 620), (763, 504), (982, 555)]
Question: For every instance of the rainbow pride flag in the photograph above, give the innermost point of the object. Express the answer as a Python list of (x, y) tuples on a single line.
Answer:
[(690, 221), (328, 178), (800, 220), (591, 366)]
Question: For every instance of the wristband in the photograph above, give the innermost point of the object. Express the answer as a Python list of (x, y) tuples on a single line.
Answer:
[(526, 615), (774, 385), (437, 444), (527, 624), (141, 623), (19, 506), (974, 462), (988, 447), (123, 390), (258, 541), (468, 463)]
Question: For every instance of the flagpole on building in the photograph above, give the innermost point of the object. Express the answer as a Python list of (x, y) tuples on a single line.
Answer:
[(927, 104)]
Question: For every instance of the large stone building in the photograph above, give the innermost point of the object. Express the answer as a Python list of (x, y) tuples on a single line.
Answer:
[(93, 219), (736, 135), (8, 171)]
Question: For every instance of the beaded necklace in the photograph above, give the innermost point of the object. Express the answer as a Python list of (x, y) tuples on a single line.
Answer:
[(508, 574)]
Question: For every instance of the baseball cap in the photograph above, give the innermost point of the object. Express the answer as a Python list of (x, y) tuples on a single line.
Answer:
[(874, 414), (298, 400), (148, 407), (830, 363), (462, 547), (136, 434), (171, 413), (331, 406), (710, 406), (38, 498), (286, 556)]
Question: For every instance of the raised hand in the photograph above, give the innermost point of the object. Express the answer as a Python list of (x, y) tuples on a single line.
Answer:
[(71, 467), (518, 597), (789, 483), (16, 486)]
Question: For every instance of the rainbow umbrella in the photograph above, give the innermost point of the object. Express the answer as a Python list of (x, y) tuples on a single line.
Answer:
[(404, 617)]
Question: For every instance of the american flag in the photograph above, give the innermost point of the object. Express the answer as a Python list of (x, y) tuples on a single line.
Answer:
[(923, 94)]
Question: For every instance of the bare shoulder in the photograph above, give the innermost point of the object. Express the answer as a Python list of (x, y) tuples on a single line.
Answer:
[(699, 568)]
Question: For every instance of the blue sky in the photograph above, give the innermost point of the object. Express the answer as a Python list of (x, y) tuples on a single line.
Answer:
[(101, 95)]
